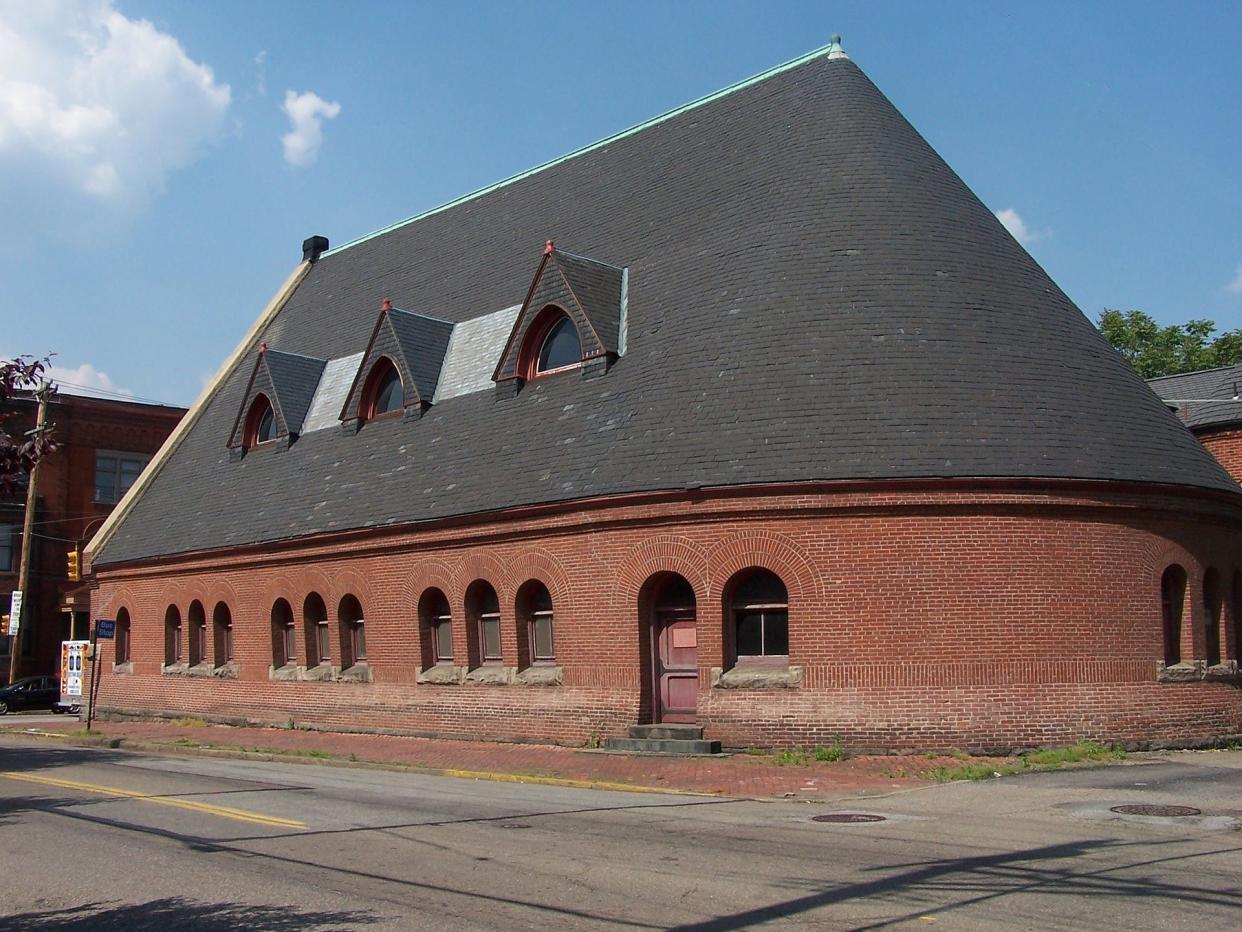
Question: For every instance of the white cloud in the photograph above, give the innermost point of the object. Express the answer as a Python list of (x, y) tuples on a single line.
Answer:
[(1017, 227), (85, 380), (1235, 286), (260, 73), (96, 107), (306, 113)]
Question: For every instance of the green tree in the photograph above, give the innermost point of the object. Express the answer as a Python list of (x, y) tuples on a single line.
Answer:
[(18, 454), (1154, 350)]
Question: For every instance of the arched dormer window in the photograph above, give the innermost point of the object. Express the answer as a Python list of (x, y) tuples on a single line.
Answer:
[(384, 393), (552, 345), (260, 422)]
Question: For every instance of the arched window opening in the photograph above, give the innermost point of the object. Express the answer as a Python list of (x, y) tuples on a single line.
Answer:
[(198, 633), (675, 594), (384, 393), (1172, 599), (535, 618), (353, 632), (758, 607), (552, 344), (260, 422), (121, 646), (172, 636), (222, 627), (318, 635), (284, 635), (436, 621), (1235, 611), (1213, 602), (483, 619)]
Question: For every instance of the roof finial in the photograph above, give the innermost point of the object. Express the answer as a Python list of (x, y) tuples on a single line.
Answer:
[(263, 347), (549, 248), (834, 48), (386, 305)]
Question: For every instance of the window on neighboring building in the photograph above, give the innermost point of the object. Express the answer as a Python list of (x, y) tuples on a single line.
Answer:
[(318, 635), (172, 636), (535, 615), (115, 473), (8, 548), (1172, 600), (121, 644), (758, 605), (260, 422), (483, 618), (353, 631), (384, 392), (284, 635), (437, 624), (222, 623)]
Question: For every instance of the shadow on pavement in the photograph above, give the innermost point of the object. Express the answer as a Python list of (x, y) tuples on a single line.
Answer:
[(182, 913)]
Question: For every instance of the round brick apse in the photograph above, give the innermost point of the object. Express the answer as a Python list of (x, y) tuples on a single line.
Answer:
[(979, 616)]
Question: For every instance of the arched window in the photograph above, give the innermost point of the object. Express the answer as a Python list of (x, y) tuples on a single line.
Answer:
[(551, 344), (384, 392), (284, 635), (483, 619), (172, 636), (1213, 601), (222, 626), (198, 633), (1172, 599), (436, 621), (318, 636), (534, 613), (121, 646), (260, 422), (353, 632), (758, 609)]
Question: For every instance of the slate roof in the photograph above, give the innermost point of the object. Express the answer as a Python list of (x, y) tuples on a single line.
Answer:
[(1188, 391), (424, 341), (812, 295), (289, 381)]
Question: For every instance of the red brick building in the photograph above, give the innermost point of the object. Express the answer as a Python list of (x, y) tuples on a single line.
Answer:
[(102, 447), (785, 438)]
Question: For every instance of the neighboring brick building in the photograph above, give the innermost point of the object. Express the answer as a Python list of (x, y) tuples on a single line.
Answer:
[(785, 436), (1209, 402), (102, 447)]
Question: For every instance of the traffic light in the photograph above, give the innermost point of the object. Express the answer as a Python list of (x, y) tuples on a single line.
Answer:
[(73, 562)]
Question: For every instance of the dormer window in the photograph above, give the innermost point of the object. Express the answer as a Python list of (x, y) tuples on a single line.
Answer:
[(552, 345), (384, 393), (260, 422)]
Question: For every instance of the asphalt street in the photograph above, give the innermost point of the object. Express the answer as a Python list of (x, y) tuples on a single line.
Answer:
[(100, 840)]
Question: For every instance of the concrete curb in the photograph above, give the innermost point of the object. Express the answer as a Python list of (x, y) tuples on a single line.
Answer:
[(237, 753)]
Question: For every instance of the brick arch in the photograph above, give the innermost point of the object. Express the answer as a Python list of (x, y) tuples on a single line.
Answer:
[(308, 581), (765, 550), (479, 564), (221, 590), (122, 597), (537, 564), (425, 576), (663, 553), (280, 587), (348, 582)]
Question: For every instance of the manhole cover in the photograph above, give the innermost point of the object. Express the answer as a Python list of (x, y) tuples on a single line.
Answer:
[(1149, 810), (847, 817), (514, 825)]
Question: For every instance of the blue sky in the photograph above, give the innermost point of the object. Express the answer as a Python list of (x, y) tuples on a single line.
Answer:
[(149, 207)]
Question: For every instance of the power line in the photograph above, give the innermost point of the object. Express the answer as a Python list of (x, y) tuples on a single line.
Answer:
[(114, 393)]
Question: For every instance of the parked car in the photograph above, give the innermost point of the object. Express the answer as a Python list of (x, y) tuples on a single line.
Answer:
[(32, 692)]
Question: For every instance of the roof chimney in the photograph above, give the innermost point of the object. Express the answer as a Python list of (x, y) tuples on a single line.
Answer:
[(313, 248)]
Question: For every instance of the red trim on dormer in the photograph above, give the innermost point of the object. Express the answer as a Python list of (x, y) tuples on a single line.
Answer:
[(370, 390), (532, 344), (258, 407)]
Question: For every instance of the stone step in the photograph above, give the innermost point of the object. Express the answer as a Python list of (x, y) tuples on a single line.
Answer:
[(671, 746), (668, 730)]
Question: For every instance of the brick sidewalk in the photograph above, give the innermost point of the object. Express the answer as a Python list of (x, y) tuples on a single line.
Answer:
[(741, 775)]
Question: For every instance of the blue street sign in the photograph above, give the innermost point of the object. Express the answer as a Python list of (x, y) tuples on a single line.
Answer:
[(105, 627)]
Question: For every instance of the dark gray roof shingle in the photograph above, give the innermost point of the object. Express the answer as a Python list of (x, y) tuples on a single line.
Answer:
[(812, 295)]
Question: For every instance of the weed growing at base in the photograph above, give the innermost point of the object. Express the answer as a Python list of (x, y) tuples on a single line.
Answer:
[(1043, 759)]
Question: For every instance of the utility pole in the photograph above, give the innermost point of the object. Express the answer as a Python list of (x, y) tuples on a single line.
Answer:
[(23, 573)]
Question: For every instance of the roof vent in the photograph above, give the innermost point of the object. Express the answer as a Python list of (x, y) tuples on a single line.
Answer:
[(835, 50), (313, 248)]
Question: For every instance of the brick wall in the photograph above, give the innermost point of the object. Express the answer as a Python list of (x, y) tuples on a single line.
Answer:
[(945, 615)]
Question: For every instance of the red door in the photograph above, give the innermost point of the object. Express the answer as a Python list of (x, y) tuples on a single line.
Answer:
[(677, 669)]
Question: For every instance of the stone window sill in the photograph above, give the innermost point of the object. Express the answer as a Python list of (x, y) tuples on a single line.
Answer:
[(441, 674), (1194, 671), (492, 675), (540, 676), (757, 677), (324, 672), (200, 669), (174, 669), (358, 673), (123, 669), (226, 671), (288, 672)]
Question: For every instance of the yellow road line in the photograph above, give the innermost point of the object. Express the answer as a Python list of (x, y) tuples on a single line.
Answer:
[(226, 812)]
